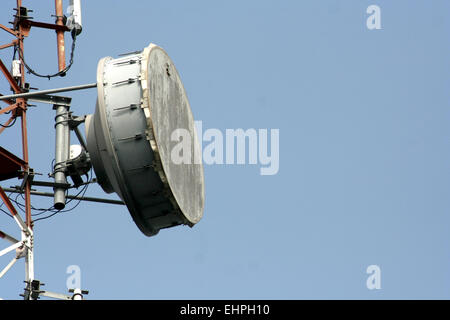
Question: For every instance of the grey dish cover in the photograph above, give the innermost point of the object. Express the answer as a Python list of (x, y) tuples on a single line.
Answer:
[(130, 138)]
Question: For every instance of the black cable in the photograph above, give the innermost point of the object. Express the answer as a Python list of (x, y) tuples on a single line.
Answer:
[(52, 208), (19, 205), (9, 125), (67, 210), (60, 73), (82, 191), (22, 207), (43, 210), (4, 211), (52, 168)]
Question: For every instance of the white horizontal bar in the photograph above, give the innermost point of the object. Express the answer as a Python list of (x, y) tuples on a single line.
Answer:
[(11, 248), (36, 93), (55, 295)]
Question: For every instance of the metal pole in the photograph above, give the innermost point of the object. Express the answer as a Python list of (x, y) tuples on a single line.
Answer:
[(26, 234), (51, 195), (42, 92), (60, 36), (62, 143)]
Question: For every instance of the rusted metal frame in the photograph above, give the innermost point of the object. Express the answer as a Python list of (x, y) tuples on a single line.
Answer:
[(11, 157), (9, 77), (8, 238), (11, 107), (14, 33), (13, 211), (27, 189), (29, 264), (12, 43), (60, 35), (7, 202), (23, 114), (8, 101), (25, 166), (57, 27), (7, 123)]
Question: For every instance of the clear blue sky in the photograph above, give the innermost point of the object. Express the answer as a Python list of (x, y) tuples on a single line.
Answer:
[(364, 152)]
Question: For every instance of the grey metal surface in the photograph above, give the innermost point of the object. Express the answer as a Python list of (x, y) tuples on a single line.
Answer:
[(170, 110), (50, 99), (62, 143), (45, 92), (128, 139), (49, 194)]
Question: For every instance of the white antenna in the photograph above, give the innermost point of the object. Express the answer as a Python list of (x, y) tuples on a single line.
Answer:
[(74, 20)]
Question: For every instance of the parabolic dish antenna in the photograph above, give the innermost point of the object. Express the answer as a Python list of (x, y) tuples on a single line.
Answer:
[(141, 103)]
